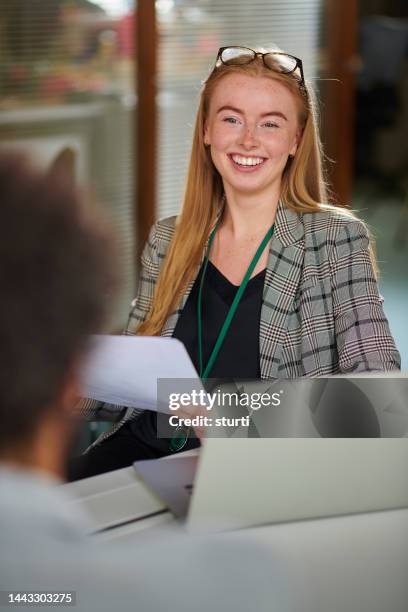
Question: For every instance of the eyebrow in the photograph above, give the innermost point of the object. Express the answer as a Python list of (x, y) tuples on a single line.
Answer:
[(237, 110)]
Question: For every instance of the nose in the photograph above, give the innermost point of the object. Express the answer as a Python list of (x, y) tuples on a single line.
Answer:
[(248, 138)]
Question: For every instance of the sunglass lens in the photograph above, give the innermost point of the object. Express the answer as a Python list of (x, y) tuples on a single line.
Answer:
[(280, 62), (237, 55)]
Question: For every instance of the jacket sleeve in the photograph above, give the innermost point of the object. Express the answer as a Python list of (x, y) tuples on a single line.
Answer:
[(94, 410), (364, 340), (149, 271)]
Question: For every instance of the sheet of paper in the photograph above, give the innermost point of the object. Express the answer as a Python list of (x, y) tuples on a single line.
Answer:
[(124, 369)]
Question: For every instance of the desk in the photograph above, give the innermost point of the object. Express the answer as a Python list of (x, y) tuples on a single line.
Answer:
[(355, 563)]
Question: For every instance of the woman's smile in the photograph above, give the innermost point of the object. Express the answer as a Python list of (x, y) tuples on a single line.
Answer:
[(244, 163)]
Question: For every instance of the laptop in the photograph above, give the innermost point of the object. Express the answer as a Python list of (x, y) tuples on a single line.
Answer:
[(242, 482)]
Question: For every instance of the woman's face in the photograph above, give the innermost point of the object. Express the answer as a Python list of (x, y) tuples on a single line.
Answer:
[(252, 127)]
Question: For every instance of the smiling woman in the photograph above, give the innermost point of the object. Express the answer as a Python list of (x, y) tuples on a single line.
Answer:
[(252, 128), (259, 276)]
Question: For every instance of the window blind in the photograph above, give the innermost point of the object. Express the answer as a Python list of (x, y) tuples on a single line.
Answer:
[(67, 81)]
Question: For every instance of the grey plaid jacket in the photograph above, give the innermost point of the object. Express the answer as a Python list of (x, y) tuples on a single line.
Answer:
[(321, 313)]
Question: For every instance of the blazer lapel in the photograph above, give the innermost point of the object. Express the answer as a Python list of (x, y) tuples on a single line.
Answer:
[(284, 268)]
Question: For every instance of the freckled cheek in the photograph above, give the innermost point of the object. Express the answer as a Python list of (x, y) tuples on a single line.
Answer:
[(277, 147), (219, 147), (222, 141)]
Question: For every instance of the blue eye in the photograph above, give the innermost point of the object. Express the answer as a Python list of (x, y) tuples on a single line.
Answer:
[(232, 120)]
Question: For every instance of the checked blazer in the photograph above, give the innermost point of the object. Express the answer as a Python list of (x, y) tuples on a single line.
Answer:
[(321, 312)]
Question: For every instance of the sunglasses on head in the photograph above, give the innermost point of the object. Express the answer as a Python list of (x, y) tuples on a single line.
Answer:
[(274, 60)]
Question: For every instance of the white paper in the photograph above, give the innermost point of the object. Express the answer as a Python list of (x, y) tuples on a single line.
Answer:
[(124, 369)]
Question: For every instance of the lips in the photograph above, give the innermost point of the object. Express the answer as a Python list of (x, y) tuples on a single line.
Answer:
[(246, 163)]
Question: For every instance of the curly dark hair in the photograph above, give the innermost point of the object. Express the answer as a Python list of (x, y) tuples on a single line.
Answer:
[(57, 274)]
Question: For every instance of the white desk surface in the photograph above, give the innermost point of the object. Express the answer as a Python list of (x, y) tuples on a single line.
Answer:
[(353, 563)]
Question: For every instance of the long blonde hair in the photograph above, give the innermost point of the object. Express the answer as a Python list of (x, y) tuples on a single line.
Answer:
[(303, 190)]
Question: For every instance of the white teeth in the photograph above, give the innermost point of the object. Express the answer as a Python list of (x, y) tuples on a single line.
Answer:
[(247, 161)]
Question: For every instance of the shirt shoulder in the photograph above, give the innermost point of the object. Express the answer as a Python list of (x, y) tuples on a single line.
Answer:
[(331, 218), (164, 228), (155, 249), (333, 224), (332, 234)]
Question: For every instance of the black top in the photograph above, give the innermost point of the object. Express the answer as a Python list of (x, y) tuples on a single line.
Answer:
[(239, 353)]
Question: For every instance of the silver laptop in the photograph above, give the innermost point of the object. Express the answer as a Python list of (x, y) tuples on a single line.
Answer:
[(244, 482)]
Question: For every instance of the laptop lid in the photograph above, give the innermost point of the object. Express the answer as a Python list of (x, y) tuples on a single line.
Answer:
[(244, 482)]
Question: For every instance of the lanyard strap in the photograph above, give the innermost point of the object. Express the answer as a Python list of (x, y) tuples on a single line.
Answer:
[(221, 336)]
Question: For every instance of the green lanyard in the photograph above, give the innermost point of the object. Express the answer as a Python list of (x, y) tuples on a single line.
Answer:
[(221, 336), (180, 437)]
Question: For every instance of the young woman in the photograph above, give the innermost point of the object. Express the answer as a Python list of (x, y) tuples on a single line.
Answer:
[(258, 265)]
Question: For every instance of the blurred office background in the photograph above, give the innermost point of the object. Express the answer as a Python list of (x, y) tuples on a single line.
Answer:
[(108, 89)]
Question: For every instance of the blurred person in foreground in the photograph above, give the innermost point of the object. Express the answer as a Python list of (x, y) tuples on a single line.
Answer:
[(260, 276), (56, 277)]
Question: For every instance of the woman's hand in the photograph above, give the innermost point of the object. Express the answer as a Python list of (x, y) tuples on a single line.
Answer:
[(197, 414)]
